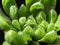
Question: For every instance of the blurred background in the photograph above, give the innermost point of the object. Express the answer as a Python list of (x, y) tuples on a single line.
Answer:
[(19, 2)]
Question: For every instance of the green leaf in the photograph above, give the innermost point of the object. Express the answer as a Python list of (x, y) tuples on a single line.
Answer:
[(7, 4), (13, 38), (31, 22), (51, 27), (39, 33), (50, 37), (29, 31), (16, 24), (25, 36), (44, 24), (57, 41), (22, 21), (6, 18), (52, 16), (36, 7), (13, 12), (3, 23), (57, 23), (30, 2), (23, 11), (5, 43), (40, 17)]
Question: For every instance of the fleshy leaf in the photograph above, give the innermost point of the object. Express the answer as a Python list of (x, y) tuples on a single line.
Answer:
[(36, 7), (50, 37)]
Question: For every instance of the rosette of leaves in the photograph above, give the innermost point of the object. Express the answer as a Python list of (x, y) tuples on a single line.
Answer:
[(29, 24)]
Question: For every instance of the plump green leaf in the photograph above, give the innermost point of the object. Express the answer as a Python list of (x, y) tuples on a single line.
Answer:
[(52, 16), (57, 23), (5, 43), (23, 11), (3, 14), (31, 21), (30, 2), (16, 24), (50, 37), (13, 38), (7, 4), (22, 21), (29, 31), (51, 27), (57, 42), (13, 12), (3, 23), (36, 7), (40, 17), (25, 36), (44, 24), (39, 33)]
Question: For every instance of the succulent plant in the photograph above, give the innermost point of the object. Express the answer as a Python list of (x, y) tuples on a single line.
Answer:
[(32, 23)]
